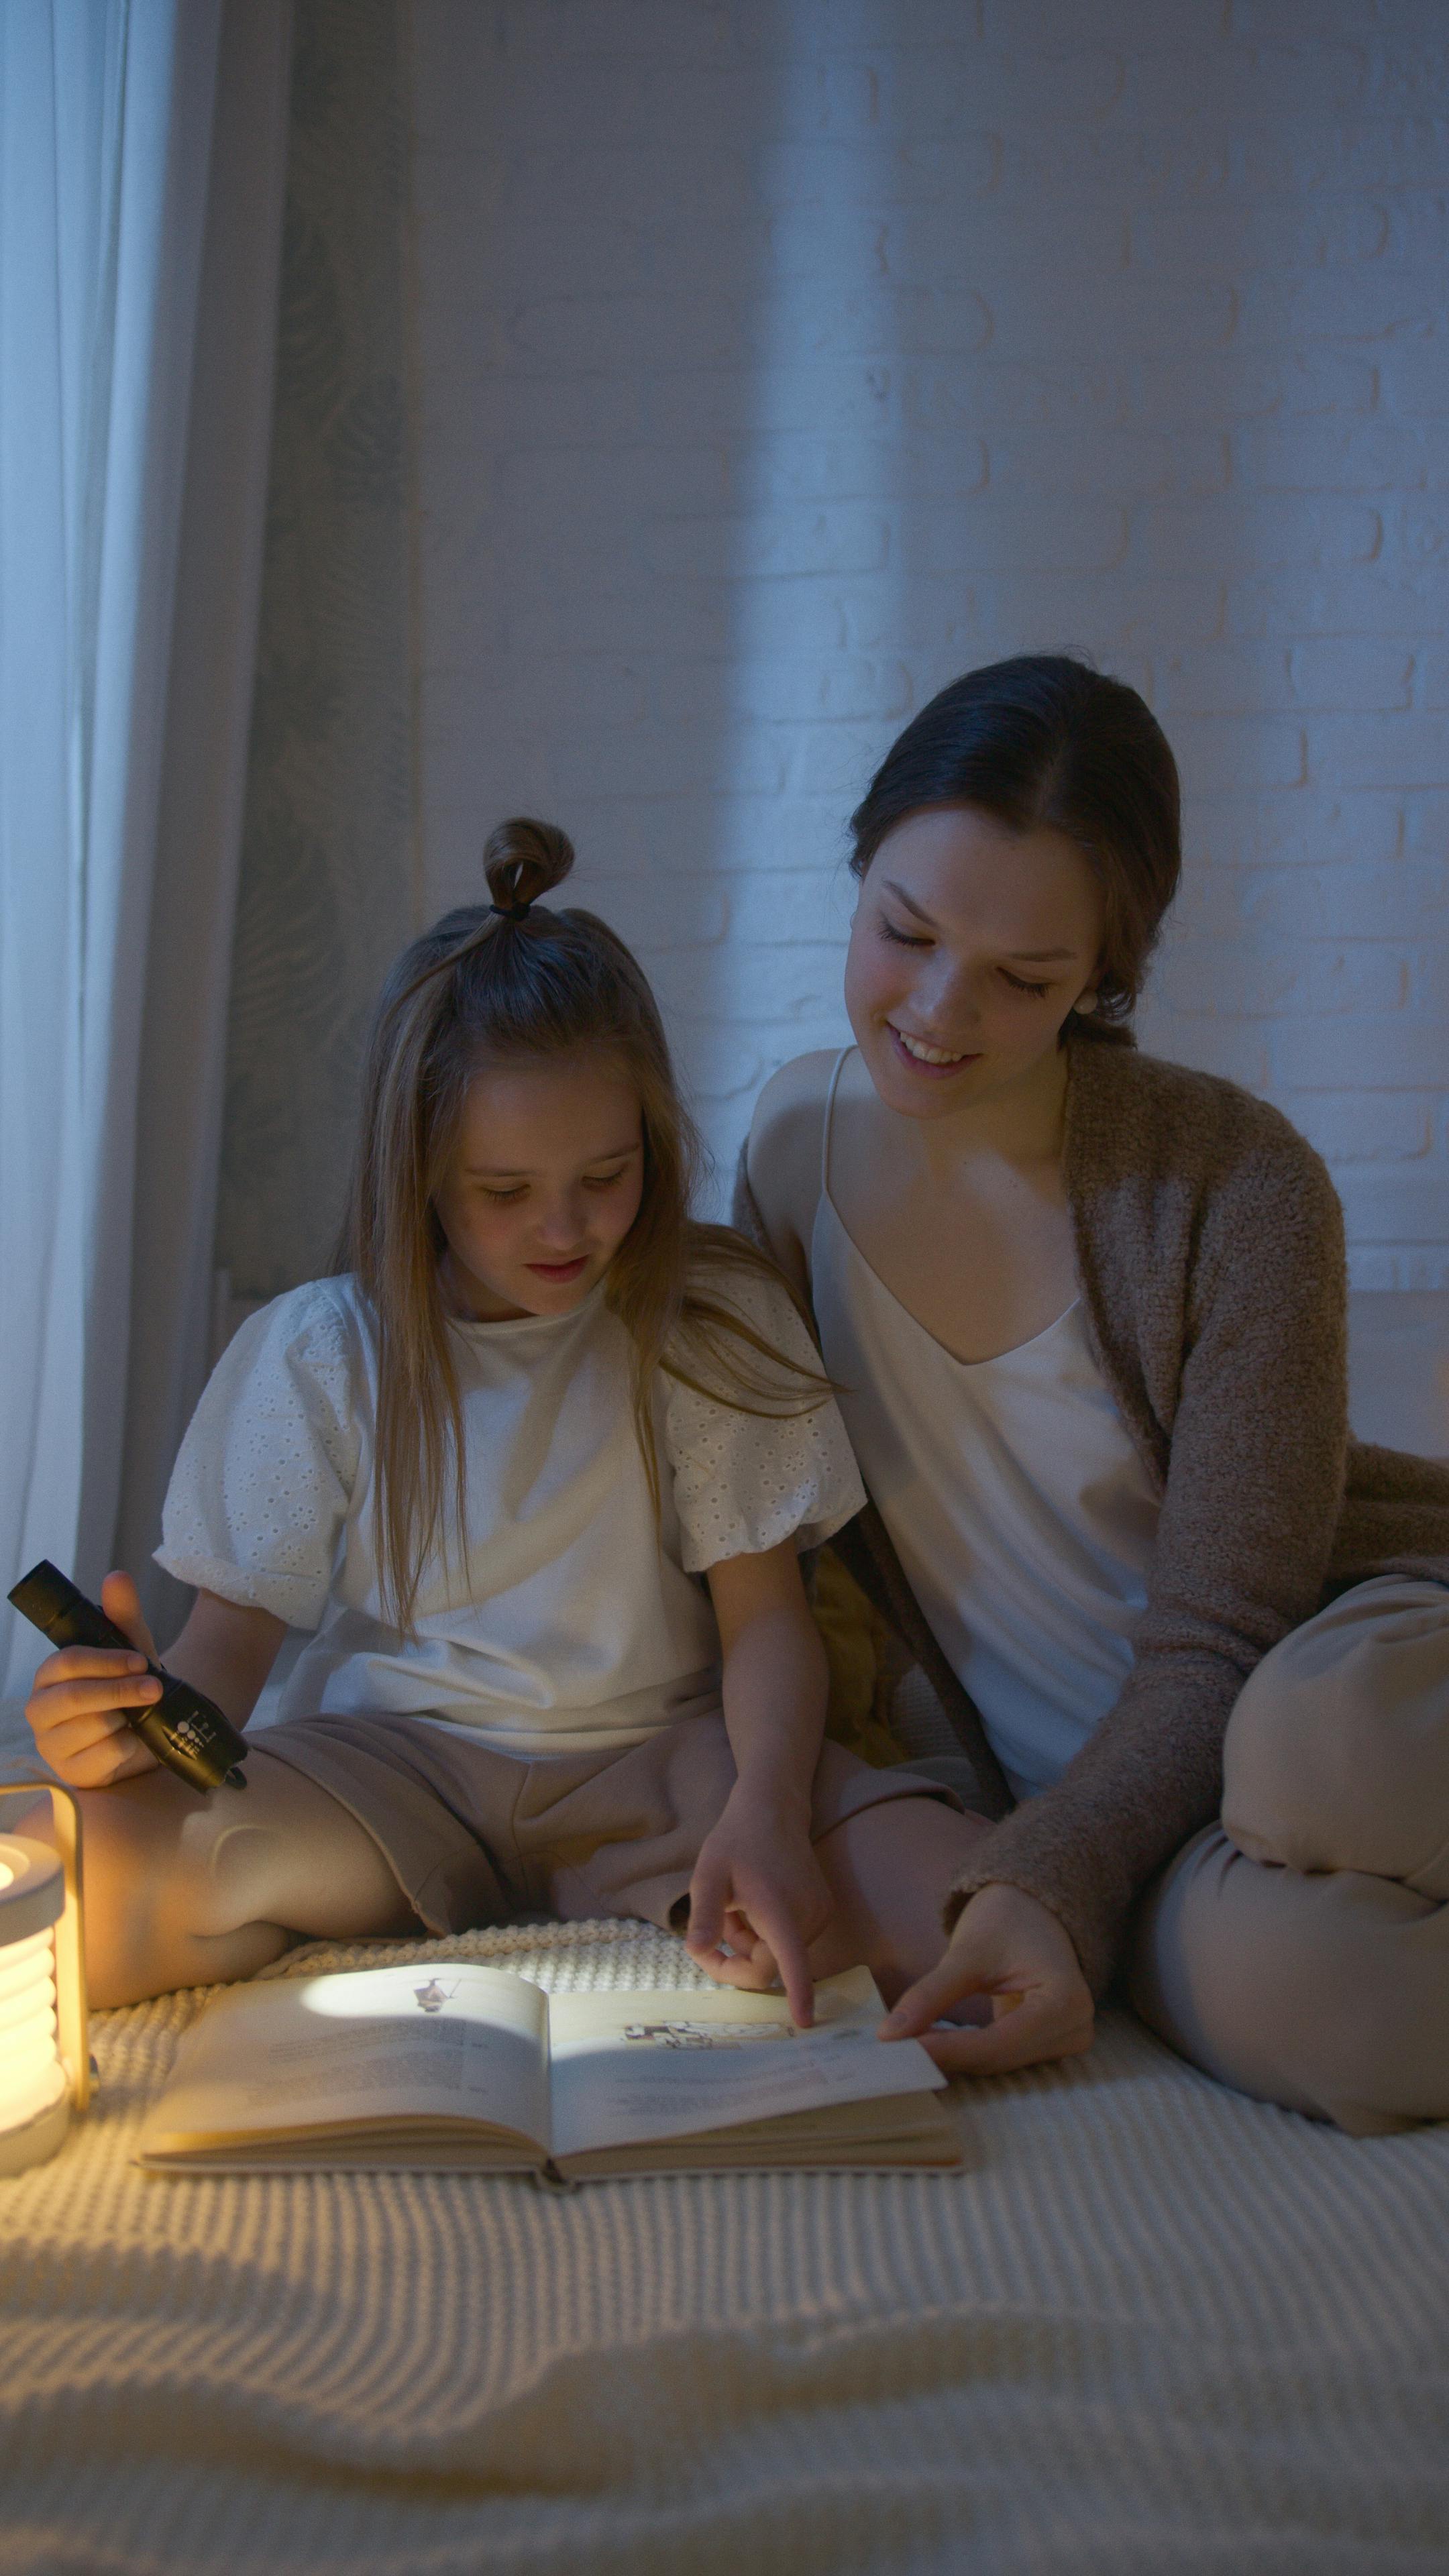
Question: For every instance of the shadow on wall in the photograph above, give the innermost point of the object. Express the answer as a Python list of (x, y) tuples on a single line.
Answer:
[(1090, 415), (776, 362), (1186, 428), (591, 264), (326, 896)]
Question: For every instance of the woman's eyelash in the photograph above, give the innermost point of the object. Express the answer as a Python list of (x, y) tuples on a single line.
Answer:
[(903, 939)]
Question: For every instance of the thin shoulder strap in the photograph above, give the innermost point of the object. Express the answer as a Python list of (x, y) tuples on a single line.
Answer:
[(828, 1122)]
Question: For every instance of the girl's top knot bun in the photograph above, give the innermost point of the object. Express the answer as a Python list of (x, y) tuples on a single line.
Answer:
[(523, 860)]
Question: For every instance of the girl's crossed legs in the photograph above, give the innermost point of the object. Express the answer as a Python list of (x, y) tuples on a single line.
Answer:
[(182, 1890)]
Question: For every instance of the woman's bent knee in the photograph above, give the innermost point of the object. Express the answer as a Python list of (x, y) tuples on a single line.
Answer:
[(1337, 1753), (1325, 1993)]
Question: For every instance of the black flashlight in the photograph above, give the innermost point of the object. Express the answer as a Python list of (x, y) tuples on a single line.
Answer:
[(183, 1728)]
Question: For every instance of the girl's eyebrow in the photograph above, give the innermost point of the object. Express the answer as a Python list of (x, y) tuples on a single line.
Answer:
[(524, 1171)]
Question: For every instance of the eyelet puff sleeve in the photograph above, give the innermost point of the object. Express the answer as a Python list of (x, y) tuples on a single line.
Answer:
[(264, 1477), (745, 1481)]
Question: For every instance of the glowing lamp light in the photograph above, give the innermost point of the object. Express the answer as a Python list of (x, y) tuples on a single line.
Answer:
[(45, 2067)]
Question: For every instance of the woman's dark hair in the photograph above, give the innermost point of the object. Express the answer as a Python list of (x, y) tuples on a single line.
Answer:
[(1043, 741)]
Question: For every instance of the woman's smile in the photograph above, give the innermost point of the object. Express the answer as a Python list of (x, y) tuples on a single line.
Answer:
[(925, 1057)]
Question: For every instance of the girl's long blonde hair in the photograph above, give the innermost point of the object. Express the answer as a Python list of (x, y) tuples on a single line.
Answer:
[(487, 983)]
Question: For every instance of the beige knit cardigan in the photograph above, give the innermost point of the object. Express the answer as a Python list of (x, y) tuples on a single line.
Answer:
[(1210, 1265)]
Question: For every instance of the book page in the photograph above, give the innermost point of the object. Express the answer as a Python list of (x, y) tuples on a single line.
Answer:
[(632, 2068), (451, 2040)]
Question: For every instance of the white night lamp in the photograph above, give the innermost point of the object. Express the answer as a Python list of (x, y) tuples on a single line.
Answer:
[(45, 2066)]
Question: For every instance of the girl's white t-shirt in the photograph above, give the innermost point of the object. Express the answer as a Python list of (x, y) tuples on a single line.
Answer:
[(572, 1620)]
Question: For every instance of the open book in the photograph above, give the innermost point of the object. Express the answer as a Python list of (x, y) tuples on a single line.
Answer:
[(458, 2066)]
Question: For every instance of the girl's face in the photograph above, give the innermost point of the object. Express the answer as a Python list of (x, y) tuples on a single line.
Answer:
[(970, 945), (545, 1182)]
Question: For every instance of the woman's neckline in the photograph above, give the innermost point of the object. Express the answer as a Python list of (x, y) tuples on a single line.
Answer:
[(1014, 1350)]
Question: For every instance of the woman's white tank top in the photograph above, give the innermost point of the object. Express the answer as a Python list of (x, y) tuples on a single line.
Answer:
[(1020, 1511)]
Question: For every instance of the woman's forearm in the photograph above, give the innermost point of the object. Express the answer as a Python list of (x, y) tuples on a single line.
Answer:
[(1141, 1786)]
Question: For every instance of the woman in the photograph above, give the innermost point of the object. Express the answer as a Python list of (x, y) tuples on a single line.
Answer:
[(1087, 1313)]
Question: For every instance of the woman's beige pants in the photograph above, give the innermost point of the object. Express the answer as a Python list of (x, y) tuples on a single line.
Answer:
[(1300, 1948)]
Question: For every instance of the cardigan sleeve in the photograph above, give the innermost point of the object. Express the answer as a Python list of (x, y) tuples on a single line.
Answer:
[(1255, 1475)]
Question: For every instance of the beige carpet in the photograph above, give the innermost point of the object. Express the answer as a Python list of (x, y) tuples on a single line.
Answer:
[(1150, 2327)]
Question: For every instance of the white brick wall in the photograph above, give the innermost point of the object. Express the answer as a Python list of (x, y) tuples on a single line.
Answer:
[(778, 359)]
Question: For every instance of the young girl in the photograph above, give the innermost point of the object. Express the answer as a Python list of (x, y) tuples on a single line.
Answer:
[(1087, 1311), (487, 1466)]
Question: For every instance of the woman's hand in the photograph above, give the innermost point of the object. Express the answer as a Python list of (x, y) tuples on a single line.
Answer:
[(76, 1708), (1011, 1967), (757, 1885)]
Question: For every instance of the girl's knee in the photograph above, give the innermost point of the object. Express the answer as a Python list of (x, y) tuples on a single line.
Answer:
[(148, 1856)]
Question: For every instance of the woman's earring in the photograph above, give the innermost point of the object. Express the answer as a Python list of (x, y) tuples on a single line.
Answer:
[(1085, 1003)]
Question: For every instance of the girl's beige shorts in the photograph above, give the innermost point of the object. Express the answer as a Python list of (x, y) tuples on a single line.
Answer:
[(475, 1837)]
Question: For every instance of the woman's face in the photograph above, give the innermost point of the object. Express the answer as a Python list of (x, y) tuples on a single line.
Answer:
[(545, 1181), (970, 945)]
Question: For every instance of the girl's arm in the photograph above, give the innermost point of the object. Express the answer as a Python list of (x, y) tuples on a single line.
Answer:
[(757, 1883), (76, 1708), (227, 1650)]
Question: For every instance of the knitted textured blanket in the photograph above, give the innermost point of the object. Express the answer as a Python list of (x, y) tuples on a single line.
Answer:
[(1150, 2326)]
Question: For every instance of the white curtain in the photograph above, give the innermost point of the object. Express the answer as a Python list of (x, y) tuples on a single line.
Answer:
[(123, 707)]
